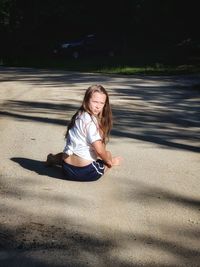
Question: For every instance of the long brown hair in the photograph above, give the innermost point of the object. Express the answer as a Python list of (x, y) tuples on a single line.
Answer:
[(104, 119)]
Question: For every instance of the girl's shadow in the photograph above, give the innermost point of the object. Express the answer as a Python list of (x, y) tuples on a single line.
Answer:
[(40, 168)]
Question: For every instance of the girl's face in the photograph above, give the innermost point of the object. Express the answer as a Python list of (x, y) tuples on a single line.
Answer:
[(97, 103)]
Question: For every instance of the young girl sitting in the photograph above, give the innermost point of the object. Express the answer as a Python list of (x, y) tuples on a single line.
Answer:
[(85, 157)]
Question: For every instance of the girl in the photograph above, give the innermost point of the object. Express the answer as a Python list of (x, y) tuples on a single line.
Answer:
[(85, 156)]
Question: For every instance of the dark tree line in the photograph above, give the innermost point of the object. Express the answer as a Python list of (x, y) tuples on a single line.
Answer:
[(38, 25)]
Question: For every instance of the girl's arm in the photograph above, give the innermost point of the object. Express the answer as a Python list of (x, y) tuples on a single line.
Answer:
[(102, 153)]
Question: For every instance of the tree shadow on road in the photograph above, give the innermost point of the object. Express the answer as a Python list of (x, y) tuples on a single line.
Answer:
[(39, 167), (76, 248), (165, 115), (75, 242), (160, 110), (156, 195)]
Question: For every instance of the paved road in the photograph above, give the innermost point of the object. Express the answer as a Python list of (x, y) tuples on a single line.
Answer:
[(145, 213)]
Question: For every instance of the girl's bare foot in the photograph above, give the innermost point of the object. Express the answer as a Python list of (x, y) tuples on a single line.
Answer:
[(50, 160), (55, 159), (116, 161)]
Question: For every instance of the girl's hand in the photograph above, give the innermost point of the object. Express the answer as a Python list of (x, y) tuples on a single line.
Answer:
[(109, 163)]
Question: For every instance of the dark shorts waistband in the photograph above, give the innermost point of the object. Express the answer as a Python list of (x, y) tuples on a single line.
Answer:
[(90, 172)]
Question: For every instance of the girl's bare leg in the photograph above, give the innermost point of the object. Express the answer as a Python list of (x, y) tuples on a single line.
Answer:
[(54, 159)]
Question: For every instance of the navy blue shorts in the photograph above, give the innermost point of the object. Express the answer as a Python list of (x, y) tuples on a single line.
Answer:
[(90, 172)]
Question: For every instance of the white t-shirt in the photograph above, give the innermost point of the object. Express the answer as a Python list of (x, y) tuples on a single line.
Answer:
[(80, 137)]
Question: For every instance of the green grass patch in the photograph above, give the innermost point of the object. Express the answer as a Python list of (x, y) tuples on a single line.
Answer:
[(122, 66), (152, 70)]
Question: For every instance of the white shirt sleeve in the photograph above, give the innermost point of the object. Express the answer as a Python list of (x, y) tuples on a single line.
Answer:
[(92, 133)]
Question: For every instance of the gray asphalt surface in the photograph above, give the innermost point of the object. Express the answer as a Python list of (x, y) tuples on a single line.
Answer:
[(144, 213)]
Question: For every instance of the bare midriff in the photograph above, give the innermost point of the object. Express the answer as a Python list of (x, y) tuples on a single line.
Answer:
[(76, 160)]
